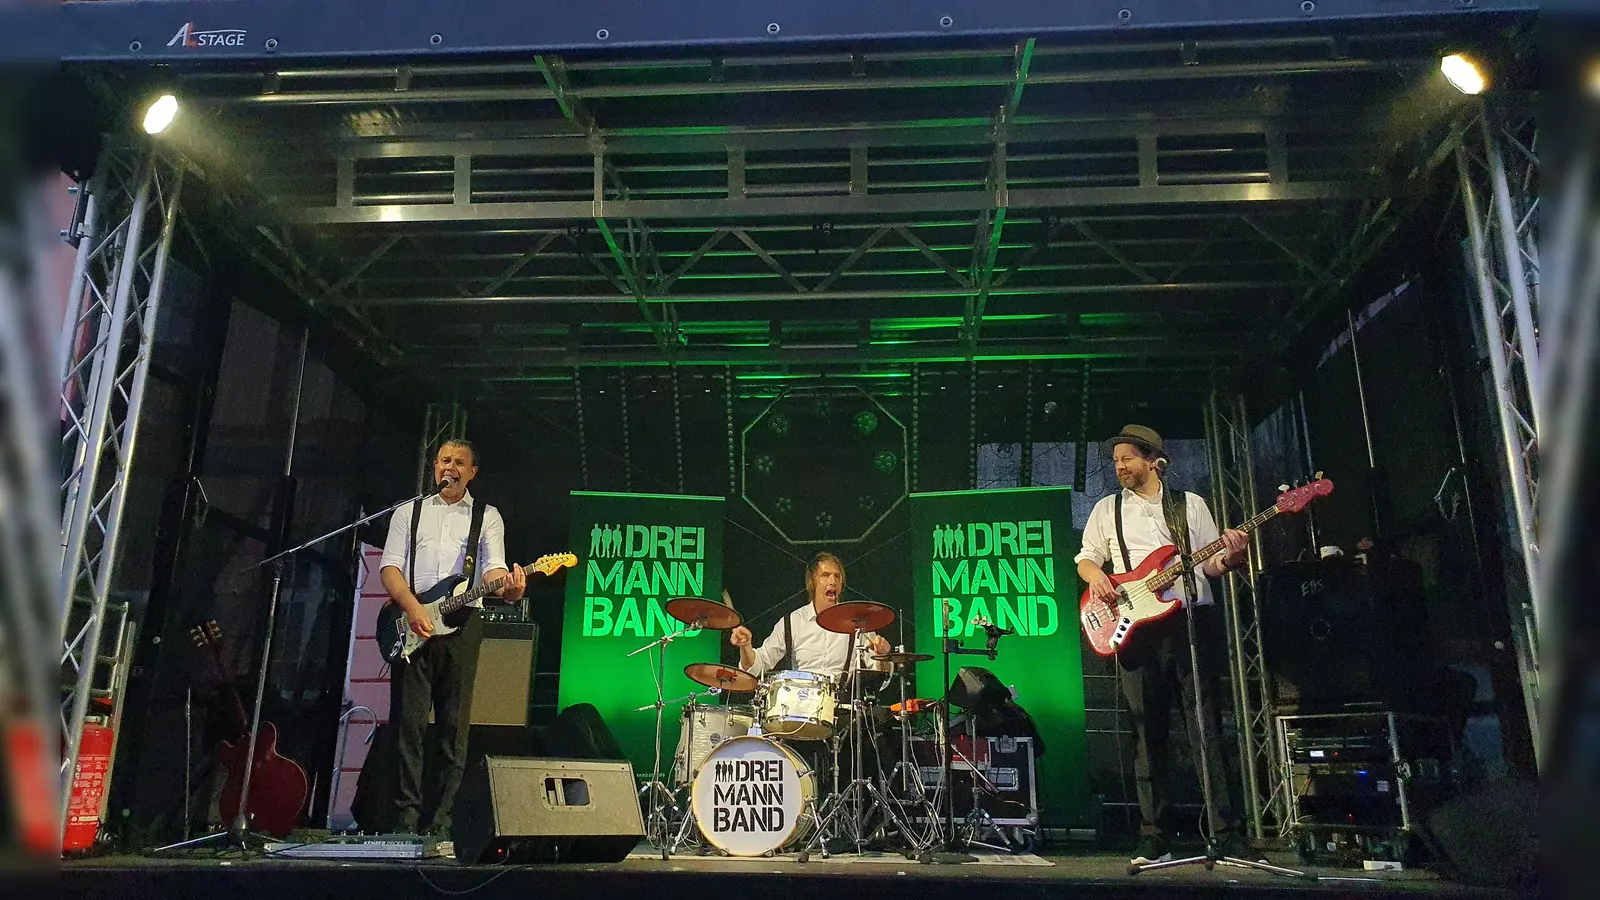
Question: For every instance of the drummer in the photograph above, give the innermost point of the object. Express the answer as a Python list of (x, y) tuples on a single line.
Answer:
[(815, 649)]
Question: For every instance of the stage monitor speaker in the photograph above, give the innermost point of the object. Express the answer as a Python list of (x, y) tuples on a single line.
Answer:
[(1339, 632), (579, 732), (1490, 836), (522, 810)]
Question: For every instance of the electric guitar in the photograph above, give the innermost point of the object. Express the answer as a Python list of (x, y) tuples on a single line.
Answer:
[(277, 784), (447, 606), (1148, 591)]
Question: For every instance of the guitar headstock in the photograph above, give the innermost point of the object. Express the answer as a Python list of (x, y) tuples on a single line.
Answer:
[(207, 634), (1296, 499), (551, 563)]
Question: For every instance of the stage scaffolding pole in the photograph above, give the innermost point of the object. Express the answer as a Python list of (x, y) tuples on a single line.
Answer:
[(1504, 264), (1233, 497), (116, 296), (439, 421)]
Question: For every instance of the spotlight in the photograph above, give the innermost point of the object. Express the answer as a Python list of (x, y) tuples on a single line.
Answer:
[(160, 114), (1463, 74)]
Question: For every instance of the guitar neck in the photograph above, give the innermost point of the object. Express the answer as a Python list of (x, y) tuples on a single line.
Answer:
[(450, 604), (227, 684), (1196, 558)]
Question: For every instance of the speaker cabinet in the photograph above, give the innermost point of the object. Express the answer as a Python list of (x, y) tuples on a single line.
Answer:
[(522, 810), (1340, 631), (503, 689)]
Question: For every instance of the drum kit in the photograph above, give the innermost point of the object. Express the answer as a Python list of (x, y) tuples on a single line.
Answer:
[(753, 771)]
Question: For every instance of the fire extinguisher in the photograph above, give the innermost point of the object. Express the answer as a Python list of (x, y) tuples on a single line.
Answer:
[(88, 787)]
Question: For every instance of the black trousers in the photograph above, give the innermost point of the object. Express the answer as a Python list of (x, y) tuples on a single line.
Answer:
[(1155, 673), (438, 678)]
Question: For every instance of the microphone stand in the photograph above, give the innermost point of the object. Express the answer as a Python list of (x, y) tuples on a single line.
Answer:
[(238, 831), (1213, 853), (659, 828), (952, 646)]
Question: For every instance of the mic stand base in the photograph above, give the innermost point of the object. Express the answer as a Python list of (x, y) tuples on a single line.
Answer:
[(1211, 858)]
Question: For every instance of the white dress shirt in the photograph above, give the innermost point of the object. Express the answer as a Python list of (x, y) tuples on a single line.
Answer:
[(1145, 527), (815, 648), (442, 542)]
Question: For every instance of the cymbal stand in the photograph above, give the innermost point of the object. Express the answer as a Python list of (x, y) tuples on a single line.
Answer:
[(861, 793), (693, 701), (912, 792), (662, 799)]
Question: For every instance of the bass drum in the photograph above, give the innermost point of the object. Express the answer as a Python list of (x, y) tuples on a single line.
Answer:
[(753, 797)]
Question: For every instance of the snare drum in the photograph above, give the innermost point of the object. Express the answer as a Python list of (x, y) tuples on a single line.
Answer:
[(752, 797), (798, 705), (703, 728)]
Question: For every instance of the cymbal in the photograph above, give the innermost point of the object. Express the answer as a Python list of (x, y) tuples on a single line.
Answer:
[(902, 658), (707, 613), (719, 676), (847, 617)]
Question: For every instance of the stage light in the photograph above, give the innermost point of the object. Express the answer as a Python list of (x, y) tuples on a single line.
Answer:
[(1591, 80), (1463, 74), (160, 114)]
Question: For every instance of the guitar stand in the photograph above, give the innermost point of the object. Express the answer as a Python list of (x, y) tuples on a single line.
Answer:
[(239, 831)]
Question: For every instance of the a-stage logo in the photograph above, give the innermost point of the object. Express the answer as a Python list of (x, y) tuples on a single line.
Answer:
[(632, 570), (187, 36)]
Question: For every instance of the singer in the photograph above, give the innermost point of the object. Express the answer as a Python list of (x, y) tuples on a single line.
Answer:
[(441, 536)]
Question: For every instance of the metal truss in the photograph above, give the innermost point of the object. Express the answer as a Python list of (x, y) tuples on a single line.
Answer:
[(439, 421), (107, 339), (1498, 169), (1233, 496)]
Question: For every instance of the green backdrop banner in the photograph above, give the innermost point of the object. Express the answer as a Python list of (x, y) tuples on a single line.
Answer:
[(642, 550), (1006, 555)]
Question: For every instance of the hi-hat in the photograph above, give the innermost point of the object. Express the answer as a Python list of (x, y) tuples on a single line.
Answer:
[(855, 615), (720, 676), (705, 613), (902, 658)]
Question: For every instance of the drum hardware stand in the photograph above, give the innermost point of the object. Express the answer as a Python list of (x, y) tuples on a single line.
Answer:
[(895, 808), (979, 823), (861, 794), (662, 799), (692, 699), (1212, 854)]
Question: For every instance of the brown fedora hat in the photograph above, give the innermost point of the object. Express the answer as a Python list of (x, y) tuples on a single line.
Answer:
[(1140, 436)]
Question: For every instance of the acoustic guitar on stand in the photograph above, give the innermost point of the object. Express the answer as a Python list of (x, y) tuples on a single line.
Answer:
[(278, 785), (1149, 591), (447, 604)]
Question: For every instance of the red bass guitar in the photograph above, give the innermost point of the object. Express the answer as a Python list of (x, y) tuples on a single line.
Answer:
[(1149, 592), (278, 785)]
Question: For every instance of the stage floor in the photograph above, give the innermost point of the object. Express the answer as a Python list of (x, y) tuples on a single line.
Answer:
[(889, 877)]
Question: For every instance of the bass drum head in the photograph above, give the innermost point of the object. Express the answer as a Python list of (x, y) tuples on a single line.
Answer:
[(751, 797)]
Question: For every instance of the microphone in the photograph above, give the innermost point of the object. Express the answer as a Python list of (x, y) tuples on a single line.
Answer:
[(446, 482)]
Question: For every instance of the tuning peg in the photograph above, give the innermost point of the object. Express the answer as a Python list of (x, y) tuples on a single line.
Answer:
[(1319, 474), (1282, 488)]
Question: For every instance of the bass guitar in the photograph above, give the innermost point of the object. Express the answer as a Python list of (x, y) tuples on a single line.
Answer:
[(1148, 592), (447, 605), (278, 785)]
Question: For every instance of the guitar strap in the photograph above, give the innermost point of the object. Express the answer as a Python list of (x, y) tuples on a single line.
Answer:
[(470, 566), (1127, 562), (1175, 506), (411, 551), (473, 534)]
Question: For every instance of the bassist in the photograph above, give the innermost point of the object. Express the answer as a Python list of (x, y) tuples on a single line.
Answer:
[(444, 535), (1122, 530)]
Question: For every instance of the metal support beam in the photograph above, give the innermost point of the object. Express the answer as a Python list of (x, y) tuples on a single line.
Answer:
[(1233, 497), (439, 421), (102, 396), (1502, 270)]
